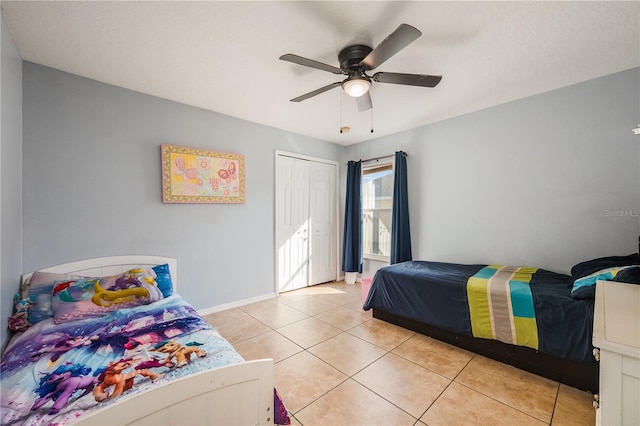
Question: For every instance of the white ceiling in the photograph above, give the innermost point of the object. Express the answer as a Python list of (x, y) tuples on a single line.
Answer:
[(223, 56)]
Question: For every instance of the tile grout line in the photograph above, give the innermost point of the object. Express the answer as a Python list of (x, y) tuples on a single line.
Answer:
[(555, 404)]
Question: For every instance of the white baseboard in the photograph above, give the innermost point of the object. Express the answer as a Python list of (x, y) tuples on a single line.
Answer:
[(214, 309)]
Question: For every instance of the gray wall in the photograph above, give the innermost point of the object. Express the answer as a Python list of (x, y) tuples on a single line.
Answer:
[(10, 173), (545, 181), (92, 180)]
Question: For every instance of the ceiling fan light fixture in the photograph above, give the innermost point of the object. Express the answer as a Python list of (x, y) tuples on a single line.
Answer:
[(356, 86)]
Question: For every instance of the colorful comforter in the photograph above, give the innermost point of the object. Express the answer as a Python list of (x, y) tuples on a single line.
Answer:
[(535, 309), (53, 374), (501, 305)]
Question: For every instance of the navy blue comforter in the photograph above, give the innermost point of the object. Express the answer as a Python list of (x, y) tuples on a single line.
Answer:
[(435, 293)]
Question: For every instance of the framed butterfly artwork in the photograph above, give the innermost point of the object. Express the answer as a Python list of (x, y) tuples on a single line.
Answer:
[(192, 175)]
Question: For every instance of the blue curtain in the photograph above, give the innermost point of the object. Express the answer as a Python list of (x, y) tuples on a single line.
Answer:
[(352, 239), (400, 232)]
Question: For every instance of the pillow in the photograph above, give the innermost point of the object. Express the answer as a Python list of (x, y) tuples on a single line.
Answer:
[(588, 267), (584, 288), (40, 289), (630, 275), (96, 297), (163, 278)]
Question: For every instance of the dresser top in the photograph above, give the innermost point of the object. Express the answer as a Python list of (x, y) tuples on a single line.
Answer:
[(616, 323)]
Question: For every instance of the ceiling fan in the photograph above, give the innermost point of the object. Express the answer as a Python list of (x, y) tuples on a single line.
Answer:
[(356, 60)]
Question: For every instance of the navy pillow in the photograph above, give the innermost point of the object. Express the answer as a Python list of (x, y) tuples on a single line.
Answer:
[(585, 274), (163, 278), (588, 267), (629, 275)]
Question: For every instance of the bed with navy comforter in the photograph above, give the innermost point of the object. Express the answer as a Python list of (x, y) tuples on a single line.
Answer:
[(543, 316)]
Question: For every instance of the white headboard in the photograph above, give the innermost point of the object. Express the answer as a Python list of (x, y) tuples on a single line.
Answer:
[(111, 265)]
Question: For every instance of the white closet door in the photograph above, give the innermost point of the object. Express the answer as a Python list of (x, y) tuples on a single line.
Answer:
[(292, 222), (322, 217), (305, 219)]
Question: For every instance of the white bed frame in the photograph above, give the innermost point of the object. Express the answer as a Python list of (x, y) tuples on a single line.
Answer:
[(237, 394)]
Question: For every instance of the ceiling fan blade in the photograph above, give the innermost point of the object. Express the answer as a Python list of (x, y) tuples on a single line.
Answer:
[(316, 92), (364, 102), (310, 63), (423, 80), (395, 42)]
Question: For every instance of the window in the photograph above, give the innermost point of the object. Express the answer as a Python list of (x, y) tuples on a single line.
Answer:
[(377, 202)]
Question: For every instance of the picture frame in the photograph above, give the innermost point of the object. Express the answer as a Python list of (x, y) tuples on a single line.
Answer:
[(193, 175)]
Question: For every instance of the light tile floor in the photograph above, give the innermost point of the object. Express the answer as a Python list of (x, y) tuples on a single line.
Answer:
[(336, 365)]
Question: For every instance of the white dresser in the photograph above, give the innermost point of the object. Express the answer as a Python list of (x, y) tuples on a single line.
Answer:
[(616, 332)]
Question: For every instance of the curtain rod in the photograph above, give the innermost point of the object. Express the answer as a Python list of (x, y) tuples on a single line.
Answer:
[(381, 157)]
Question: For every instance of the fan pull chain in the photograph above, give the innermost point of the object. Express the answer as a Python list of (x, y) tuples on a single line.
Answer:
[(340, 94), (371, 120)]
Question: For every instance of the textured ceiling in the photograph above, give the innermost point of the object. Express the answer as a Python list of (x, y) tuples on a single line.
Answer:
[(223, 56)]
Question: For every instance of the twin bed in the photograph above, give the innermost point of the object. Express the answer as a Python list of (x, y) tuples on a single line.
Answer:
[(534, 319), (103, 351)]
